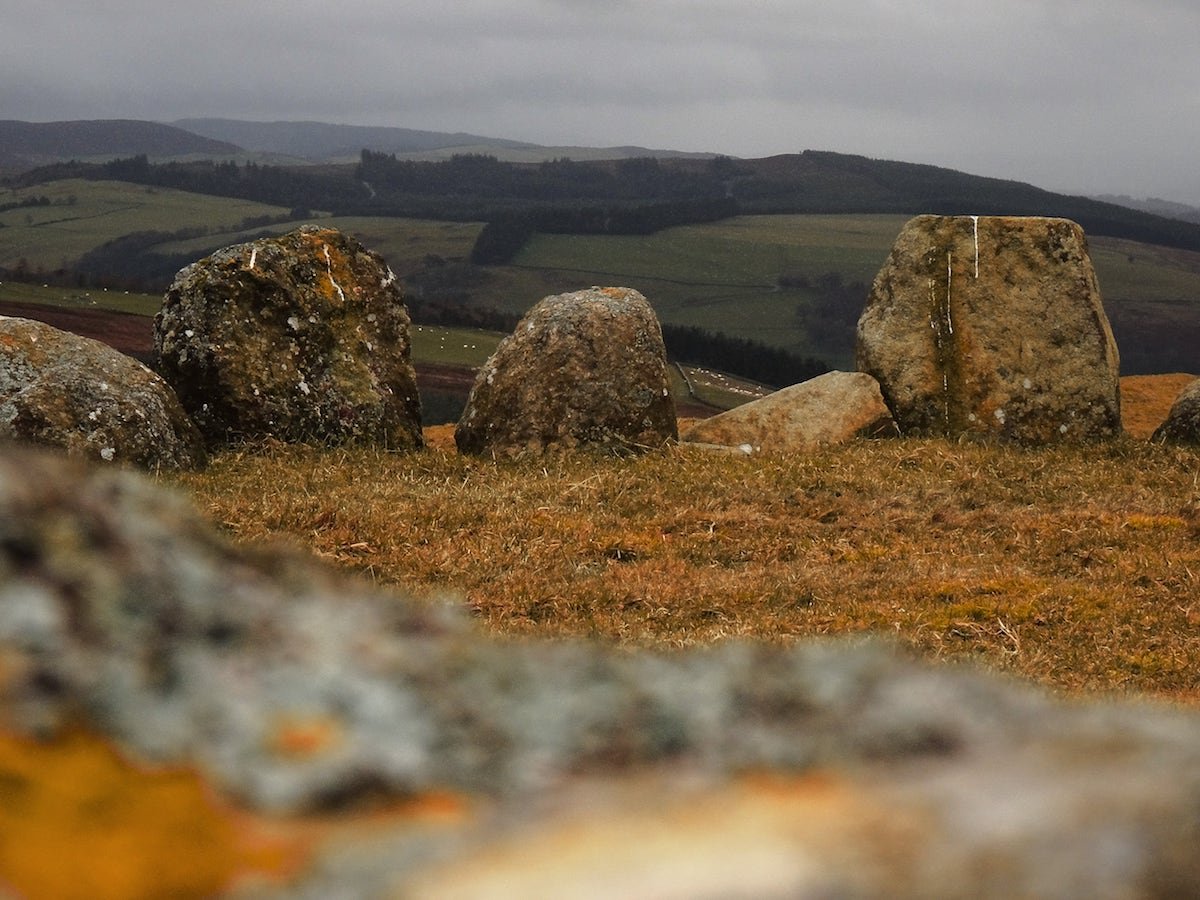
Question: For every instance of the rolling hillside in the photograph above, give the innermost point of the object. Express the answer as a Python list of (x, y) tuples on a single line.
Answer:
[(25, 145)]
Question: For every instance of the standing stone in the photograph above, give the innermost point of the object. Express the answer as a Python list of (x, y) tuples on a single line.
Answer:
[(303, 337), (62, 390), (1182, 425), (833, 408), (586, 368), (992, 326)]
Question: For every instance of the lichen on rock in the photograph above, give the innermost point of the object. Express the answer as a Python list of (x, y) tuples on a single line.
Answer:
[(300, 338), (822, 769), (992, 327), (583, 369), (61, 390), (1182, 425)]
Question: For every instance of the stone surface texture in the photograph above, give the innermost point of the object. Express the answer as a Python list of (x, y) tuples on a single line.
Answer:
[(833, 769), (993, 327), (581, 369), (1182, 425), (833, 408), (300, 338), (79, 395)]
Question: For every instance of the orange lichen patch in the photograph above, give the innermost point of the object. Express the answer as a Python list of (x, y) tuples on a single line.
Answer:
[(127, 831), (131, 831), (1146, 400), (338, 277), (305, 737)]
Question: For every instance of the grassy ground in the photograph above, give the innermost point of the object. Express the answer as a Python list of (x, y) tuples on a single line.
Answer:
[(1076, 567), (81, 298)]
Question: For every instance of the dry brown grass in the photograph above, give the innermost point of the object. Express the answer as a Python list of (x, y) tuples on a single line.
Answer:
[(1146, 400), (1077, 567)]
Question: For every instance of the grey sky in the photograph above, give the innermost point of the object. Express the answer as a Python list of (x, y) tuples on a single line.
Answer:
[(1085, 96)]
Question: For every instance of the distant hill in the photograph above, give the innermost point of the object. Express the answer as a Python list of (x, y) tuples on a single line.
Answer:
[(26, 145), (324, 142), (1167, 208)]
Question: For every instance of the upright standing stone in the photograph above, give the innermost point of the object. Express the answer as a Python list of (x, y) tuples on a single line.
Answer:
[(586, 368), (303, 337), (992, 326)]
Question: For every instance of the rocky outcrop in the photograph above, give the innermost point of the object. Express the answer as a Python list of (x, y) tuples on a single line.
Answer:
[(581, 369), (521, 769), (833, 408), (70, 392), (1182, 425), (303, 337), (993, 327)]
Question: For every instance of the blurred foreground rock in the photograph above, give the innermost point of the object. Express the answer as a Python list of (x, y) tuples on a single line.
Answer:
[(992, 326), (581, 369), (502, 769), (1182, 425), (303, 337), (62, 390), (830, 409)]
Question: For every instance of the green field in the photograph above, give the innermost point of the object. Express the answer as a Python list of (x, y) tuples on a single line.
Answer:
[(85, 214), (453, 346), (722, 276), (80, 298), (404, 243)]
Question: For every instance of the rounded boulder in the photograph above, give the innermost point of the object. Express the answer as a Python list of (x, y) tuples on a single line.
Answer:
[(62, 390), (300, 338), (582, 369)]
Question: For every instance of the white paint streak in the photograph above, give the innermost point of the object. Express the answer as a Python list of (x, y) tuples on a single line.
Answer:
[(253, 256), (949, 279), (329, 265), (975, 221)]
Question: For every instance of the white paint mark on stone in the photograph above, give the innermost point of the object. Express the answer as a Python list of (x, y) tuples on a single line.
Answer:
[(253, 256), (329, 266), (975, 221), (949, 280)]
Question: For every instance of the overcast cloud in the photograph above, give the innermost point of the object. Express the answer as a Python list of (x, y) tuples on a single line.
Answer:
[(1072, 95)]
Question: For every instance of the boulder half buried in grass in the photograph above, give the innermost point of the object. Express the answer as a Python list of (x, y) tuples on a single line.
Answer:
[(301, 338), (62, 390), (992, 326), (830, 409), (581, 369), (1182, 425)]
